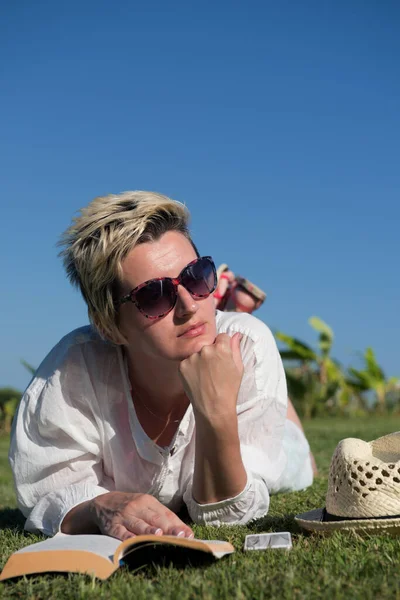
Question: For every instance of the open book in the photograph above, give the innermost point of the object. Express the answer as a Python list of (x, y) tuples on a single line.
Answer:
[(101, 555)]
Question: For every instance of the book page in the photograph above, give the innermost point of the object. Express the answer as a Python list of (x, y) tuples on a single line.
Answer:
[(217, 548), (102, 545)]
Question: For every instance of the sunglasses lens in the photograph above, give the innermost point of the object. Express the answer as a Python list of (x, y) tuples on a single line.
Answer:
[(200, 278), (156, 298)]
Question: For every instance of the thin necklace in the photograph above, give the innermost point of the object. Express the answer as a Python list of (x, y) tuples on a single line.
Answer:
[(167, 420)]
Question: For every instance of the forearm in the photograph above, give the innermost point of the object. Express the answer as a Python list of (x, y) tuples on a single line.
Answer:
[(219, 472)]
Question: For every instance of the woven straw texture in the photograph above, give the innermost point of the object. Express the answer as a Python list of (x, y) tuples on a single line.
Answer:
[(364, 483), (311, 522), (364, 478)]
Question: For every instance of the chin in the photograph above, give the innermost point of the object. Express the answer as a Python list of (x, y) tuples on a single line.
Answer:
[(195, 345)]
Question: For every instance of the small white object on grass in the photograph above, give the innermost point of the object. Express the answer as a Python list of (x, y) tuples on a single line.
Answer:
[(265, 541)]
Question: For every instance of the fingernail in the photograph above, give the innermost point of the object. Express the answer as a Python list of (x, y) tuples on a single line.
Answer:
[(180, 534), (190, 536), (158, 531)]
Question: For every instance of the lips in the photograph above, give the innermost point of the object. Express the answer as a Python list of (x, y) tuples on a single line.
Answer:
[(193, 330)]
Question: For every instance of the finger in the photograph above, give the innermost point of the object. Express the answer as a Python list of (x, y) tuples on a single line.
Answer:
[(183, 531), (235, 341), (167, 521), (120, 532), (223, 339), (179, 528), (236, 353), (140, 527)]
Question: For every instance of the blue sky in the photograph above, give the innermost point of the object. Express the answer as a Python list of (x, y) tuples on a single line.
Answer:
[(277, 123)]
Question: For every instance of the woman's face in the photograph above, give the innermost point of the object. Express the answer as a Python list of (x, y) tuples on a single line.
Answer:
[(189, 326)]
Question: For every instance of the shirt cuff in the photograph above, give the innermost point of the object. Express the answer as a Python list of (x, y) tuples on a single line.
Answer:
[(231, 511), (48, 514)]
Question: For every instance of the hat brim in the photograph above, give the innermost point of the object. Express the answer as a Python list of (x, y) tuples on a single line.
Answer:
[(313, 520)]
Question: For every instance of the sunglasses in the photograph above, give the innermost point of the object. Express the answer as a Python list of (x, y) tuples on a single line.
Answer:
[(155, 298)]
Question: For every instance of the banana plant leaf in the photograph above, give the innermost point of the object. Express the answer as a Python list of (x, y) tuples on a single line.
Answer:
[(291, 355), (356, 385), (27, 366), (362, 378), (326, 336), (372, 365), (297, 346), (320, 325)]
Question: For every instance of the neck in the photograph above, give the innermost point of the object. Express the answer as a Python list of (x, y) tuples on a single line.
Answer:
[(162, 393)]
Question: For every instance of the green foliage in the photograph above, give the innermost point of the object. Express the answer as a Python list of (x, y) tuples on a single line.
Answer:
[(28, 367), (298, 350), (7, 393), (9, 410), (372, 378), (9, 399), (318, 384), (326, 334)]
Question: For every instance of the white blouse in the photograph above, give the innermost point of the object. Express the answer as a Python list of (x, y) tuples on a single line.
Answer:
[(76, 434)]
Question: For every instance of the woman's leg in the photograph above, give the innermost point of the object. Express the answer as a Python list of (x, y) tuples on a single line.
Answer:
[(294, 417)]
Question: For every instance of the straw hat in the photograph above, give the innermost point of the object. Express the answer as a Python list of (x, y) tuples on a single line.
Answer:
[(363, 488)]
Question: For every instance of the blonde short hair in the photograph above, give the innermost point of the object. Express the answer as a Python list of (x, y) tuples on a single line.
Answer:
[(101, 236)]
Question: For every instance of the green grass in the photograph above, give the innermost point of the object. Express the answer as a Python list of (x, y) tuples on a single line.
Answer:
[(340, 566)]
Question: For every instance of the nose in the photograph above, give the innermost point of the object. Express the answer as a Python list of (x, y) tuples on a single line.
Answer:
[(185, 303)]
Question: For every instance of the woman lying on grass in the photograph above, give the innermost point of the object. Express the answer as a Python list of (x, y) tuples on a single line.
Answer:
[(163, 401)]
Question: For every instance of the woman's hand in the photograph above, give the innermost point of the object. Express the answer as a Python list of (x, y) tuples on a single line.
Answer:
[(212, 377), (212, 380), (123, 515)]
